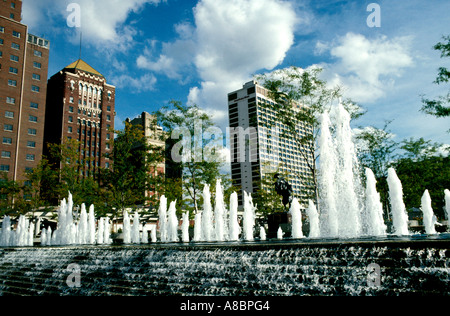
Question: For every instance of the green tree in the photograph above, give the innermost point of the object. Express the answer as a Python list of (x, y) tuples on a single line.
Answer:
[(194, 150), (440, 107), (132, 175), (300, 96)]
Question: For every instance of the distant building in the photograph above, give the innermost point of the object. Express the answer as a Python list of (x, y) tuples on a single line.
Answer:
[(258, 150), (81, 106), (23, 88), (155, 137)]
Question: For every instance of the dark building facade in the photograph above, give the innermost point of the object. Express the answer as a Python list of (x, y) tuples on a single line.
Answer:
[(23, 88), (81, 106)]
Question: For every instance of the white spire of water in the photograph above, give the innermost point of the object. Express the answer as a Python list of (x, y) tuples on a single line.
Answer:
[(313, 215), (126, 228), (172, 229), (100, 232), (374, 207), (447, 205), (249, 217), (162, 213), (83, 233), (234, 229), (296, 217), (107, 232), (135, 229), (326, 179), (207, 216), (219, 213), (262, 233), (5, 236), (185, 228), (398, 209), (198, 236), (91, 226), (347, 203), (428, 214)]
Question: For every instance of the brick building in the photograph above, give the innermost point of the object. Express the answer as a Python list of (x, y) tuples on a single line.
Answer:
[(23, 88), (81, 106)]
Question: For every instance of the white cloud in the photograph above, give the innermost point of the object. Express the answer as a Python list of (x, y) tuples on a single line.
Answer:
[(367, 68), (236, 38), (103, 22), (146, 82)]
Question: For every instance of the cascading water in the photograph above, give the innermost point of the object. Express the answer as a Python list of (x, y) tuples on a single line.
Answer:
[(126, 228)]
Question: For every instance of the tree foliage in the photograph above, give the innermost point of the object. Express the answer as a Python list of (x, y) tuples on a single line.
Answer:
[(440, 107)]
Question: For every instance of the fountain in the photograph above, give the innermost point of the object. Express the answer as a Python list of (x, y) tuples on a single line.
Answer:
[(249, 217), (347, 234), (399, 216), (429, 220), (185, 228), (172, 223), (447, 205), (296, 219), (234, 227), (207, 216), (313, 215), (373, 208)]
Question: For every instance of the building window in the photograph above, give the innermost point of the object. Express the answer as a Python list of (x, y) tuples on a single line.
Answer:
[(70, 119), (6, 154), (70, 129), (15, 46), (33, 119), (71, 109), (14, 58), (12, 83), (7, 141), (13, 70), (11, 16), (32, 132), (31, 144), (4, 168), (37, 65), (8, 128), (37, 53), (16, 34), (35, 89), (2, 29), (31, 157), (34, 105), (10, 100), (9, 114), (36, 77), (71, 100)]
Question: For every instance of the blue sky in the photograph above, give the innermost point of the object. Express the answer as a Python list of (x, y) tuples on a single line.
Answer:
[(198, 51)]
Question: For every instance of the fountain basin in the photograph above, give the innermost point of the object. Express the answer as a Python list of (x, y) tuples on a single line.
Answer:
[(416, 265)]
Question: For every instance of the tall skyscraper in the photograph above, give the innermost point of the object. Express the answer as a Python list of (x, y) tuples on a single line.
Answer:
[(81, 106), (260, 146), (23, 87)]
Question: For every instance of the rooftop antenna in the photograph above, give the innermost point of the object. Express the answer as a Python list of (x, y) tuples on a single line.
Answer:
[(81, 41)]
